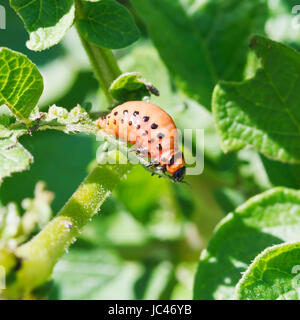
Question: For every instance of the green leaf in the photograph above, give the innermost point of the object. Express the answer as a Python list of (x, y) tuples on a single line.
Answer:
[(131, 86), (21, 84), (282, 174), (84, 273), (46, 21), (290, 3), (97, 273), (263, 112), (270, 218), (45, 167), (228, 199), (145, 190), (272, 275), (200, 42), (6, 118), (13, 157), (107, 23), (60, 233)]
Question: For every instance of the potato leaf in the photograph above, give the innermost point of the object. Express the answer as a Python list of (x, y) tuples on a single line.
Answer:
[(131, 86), (21, 84), (46, 21), (263, 112), (270, 218), (13, 157), (83, 274), (108, 24), (281, 174), (272, 275), (202, 42)]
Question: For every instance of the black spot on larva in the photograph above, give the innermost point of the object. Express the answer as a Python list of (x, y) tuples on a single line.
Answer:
[(145, 119), (151, 141), (138, 126), (116, 113), (115, 122), (130, 123), (108, 117), (135, 113), (149, 154), (145, 133), (160, 136), (154, 126), (159, 147), (125, 111), (122, 121)]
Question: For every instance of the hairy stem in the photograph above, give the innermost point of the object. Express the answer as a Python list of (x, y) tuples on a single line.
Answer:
[(102, 60), (39, 256)]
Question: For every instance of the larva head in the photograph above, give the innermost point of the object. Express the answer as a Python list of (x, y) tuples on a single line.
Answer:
[(176, 166), (179, 174)]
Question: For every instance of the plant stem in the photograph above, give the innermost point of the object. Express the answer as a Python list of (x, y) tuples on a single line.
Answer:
[(102, 60), (40, 255)]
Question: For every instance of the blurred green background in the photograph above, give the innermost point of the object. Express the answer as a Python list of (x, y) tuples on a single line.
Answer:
[(146, 240)]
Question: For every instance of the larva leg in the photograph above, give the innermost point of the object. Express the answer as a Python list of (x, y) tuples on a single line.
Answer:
[(153, 164), (138, 150), (164, 168), (134, 149), (143, 151)]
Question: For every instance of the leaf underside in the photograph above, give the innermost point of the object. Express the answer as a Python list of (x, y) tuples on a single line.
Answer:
[(13, 157), (46, 21)]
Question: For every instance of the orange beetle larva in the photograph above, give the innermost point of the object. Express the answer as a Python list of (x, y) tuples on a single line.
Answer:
[(151, 130)]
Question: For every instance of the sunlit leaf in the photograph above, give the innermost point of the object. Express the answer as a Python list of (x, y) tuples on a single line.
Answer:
[(131, 86), (270, 218), (263, 112), (273, 275), (21, 84), (13, 157), (201, 42), (46, 21)]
